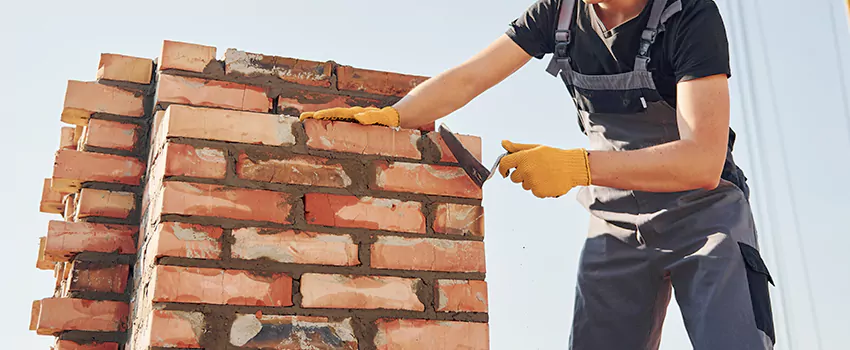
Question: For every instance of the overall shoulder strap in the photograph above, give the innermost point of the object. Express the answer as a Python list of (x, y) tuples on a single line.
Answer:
[(563, 36), (647, 38)]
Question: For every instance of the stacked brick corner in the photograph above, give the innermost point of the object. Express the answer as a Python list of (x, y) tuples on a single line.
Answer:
[(199, 213)]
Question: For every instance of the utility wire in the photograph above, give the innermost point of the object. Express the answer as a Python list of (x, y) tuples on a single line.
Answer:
[(838, 52), (753, 132), (789, 186)]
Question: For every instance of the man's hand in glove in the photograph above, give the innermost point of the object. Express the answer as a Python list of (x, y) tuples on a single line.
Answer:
[(386, 116), (546, 171)]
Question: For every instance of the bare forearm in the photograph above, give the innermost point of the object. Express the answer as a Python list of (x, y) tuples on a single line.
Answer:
[(676, 166), (435, 98)]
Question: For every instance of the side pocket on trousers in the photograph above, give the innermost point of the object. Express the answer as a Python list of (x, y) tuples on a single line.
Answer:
[(758, 277)]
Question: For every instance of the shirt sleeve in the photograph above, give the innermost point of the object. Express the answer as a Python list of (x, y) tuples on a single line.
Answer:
[(700, 46), (534, 30)]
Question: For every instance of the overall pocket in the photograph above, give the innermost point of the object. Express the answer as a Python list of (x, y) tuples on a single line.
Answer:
[(758, 278)]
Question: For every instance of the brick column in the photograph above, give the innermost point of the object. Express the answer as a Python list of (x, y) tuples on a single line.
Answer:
[(257, 231)]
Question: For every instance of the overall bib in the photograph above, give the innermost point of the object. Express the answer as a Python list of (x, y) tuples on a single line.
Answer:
[(702, 242)]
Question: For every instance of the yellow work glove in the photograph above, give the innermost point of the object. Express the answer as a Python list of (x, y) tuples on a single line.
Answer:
[(546, 171), (386, 116)]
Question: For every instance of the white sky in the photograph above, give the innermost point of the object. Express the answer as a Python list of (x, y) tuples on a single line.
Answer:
[(532, 245)]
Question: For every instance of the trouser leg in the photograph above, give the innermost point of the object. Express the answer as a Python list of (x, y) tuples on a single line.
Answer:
[(621, 297), (721, 287)]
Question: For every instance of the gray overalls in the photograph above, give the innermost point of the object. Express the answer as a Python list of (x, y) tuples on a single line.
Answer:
[(702, 242)]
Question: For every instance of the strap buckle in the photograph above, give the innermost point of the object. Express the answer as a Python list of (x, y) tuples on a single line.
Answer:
[(563, 36), (647, 38)]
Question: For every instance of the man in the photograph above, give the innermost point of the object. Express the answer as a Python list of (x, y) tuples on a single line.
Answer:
[(668, 204)]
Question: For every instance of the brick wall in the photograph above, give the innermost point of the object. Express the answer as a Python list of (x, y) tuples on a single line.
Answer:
[(197, 212)]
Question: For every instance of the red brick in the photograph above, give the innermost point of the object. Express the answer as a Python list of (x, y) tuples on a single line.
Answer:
[(34, 312), (471, 143), (299, 170), (225, 202), (70, 345), (187, 241), (125, 68), (93, 277), (102, 203), (287, 69), (429, 254), (232, 126), (294, 102), (51, 201), (177, 329), (109, 134), (82, 99), (424, 178), (362, 139), (365, 212), (188, 160), (376, 82), (72, 168), (459, 219), (296, 247), (302, 332), (211, 93), (360, 292), (67, 139), (461, 296), (412, 334), (65, 239), (67, 314), (185, 56), (216, 286)]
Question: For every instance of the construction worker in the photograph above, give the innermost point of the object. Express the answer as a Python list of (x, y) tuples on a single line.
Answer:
[(668, 205)]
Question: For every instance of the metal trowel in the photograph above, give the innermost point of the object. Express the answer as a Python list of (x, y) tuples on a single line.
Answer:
[(476, 171)]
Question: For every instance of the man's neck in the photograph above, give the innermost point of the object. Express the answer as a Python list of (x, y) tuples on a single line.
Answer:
[(616, 12)]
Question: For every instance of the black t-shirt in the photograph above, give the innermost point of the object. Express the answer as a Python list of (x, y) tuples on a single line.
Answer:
[(693, 44)]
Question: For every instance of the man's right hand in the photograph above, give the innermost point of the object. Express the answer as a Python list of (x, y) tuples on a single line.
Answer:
[(387, 116)]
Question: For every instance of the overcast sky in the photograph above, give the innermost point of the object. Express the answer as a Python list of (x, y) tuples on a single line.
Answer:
[(532, 245)]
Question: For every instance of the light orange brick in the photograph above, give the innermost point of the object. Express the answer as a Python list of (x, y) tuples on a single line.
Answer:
[(287, 69), (185, 56), (82, 99), (225, 202), (294, 102), (376, 82), (296, 247), (72, 168), (103, 203), (362, 139), (428, 254), (461, 296), (300, 332), (188, 160), (187, 240), (211, 93), (66, 138), (216, 286), (225, 125), (360, 292), (459, 219), (65, 239), (51, 201), (299, 170), (471, 143), (424, 178), (67, 314), (111, 134), (177, 329), (412, 334), (70, 345), (365, 212), (125, 68)]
